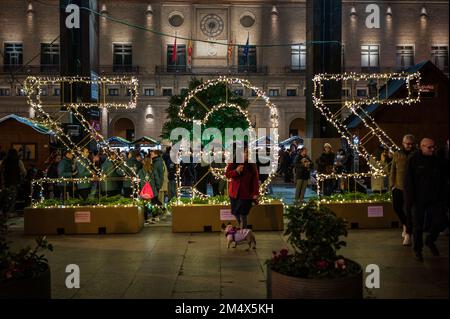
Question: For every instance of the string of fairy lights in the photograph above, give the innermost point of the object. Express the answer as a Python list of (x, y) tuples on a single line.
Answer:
[(356, 106), (33, 88), (219, 173)]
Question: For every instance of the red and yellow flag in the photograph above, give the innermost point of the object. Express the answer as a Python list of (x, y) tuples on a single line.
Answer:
[(230, 50), (174, 52), (190, 52)]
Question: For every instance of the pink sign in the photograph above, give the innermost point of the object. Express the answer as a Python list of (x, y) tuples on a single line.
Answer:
[(225, 214), (82, 217), (375, 211)]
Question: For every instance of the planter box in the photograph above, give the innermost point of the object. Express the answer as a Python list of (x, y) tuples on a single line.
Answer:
[(366, 215), (28, 288), (83, 220), (201, 218), (280, 286)]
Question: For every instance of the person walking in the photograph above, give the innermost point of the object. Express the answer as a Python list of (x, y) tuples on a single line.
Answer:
[(243, 188), (65, 170), (12, 172), (303, 166), (425, 194), (396, 185), (325, 165)]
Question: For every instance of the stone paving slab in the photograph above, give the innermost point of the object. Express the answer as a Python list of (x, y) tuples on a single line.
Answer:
[(157, 263)]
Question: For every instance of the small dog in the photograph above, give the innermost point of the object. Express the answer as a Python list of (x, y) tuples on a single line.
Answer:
[(239, 236)]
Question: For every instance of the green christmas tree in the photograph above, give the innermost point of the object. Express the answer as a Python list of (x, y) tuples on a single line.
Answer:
[(214, 95)]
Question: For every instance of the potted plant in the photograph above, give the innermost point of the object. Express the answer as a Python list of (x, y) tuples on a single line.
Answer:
[(24, 274), (313, 269)]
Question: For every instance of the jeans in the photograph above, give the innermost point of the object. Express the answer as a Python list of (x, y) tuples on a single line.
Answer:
[(300, 190), (327, 187), (171, 189), (399, 207), (240, 208)]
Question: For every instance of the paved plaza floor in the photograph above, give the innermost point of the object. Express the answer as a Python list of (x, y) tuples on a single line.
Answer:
[(157, 263)]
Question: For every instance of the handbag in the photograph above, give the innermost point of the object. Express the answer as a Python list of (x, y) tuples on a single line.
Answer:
[(147, 191)]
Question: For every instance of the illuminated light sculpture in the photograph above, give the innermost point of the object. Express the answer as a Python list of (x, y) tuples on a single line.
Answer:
[(220, 172), (356, 107), (33, 88)]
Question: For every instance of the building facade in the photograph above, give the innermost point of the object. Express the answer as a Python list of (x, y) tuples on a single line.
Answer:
[(409, 32)]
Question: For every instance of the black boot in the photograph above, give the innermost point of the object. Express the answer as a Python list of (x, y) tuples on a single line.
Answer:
[(432, 247), (419, 256)]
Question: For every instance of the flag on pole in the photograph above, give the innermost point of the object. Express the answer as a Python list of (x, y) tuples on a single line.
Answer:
[(189, 52), (174, 52), (230, 50), (246, 47)]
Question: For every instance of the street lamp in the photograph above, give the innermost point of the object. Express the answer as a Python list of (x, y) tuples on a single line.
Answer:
[(389, 12), (149, 9), (274, 11), (30, 8), (353, 12), (423, 12)]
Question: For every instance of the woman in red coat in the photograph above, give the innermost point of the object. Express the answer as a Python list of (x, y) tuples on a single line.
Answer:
[(243, 188)]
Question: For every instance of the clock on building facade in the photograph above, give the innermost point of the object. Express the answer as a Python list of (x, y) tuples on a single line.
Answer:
[(211, 25)]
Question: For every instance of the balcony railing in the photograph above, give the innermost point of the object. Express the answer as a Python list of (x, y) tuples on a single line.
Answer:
[(183, 69), (46, 69), (118, 69)]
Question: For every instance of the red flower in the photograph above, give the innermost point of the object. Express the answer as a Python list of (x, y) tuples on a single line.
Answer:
[(340, 264), (322, 264)]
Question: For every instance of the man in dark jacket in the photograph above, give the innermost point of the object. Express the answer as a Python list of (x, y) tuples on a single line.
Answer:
[(425, 194), (325, 165), (171, 173), (303, 166), (65, 170), (157, 175)]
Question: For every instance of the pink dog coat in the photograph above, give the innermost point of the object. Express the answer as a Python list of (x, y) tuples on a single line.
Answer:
[(238, 235)]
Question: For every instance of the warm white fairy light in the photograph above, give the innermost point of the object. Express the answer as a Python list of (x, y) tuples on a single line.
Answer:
[(33, 88), (355, 106), (220, 172)]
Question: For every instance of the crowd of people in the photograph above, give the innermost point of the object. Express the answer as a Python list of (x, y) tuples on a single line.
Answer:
[(295, 166), (153, 167)]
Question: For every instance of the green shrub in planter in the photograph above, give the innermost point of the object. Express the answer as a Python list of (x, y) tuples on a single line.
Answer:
[(314, 233)]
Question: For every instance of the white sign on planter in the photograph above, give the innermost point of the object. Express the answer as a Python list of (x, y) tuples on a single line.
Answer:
[(225, 214), (375, 211), (82, 217)]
